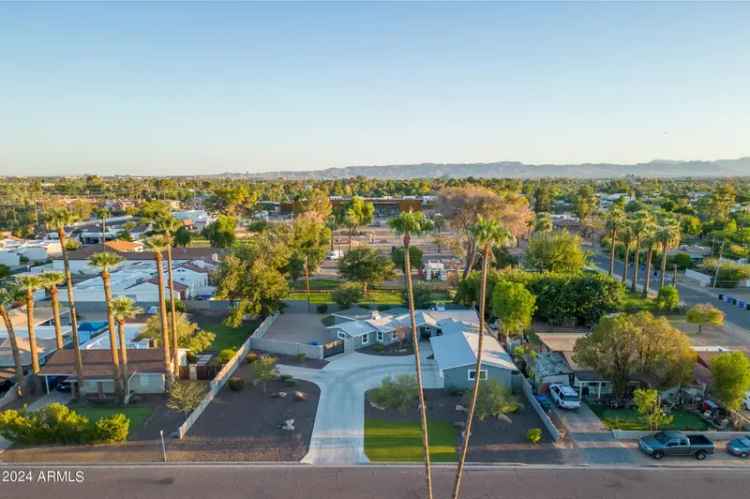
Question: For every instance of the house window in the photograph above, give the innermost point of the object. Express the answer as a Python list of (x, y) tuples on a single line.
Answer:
[(341, 335), (473, 373), (365, 339), (380, 336)]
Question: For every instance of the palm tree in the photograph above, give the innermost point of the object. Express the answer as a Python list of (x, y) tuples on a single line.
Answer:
[(641, 222), (50, 281), (123, 308), (168, 227), (104, 261), (8, 297), (667, 236), (58, 219), (28, 284), (408, 224), (488, 234), (102, 214), (626, 237), (650, 242), (158, 244), (615, 220)]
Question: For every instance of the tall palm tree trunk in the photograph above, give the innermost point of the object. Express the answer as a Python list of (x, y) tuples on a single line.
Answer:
[(14, 349), (172, 311), (112, 338), (73, 315), (477, 376), (647, 277), (124, 359), (163, 315), (32, 340), (663, 273), (626, 262), (418, 360), (55, 300), (636, 265), (613, 245), (307, 282)]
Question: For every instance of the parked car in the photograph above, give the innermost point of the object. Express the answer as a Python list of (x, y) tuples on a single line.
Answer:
[(739, 447), (64, 386), (565, 396), (676, 443), (746, 403)]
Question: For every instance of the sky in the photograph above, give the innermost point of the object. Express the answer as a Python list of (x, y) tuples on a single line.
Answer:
[(199, 88)]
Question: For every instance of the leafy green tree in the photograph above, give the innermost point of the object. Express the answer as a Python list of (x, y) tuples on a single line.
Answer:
[(185, 396), (252, 277), (347, 294), (400, 394), (415, 257), (668, 299), (543, 222), (264, 370), (495, 401), (730, 372), (423, 296), (4, 271), (555, 251), (648, 404), (221, 232), (309, 244), (183, 237), (365, 266), (358, 213), (705, 313), (625, 346), (513, 305)]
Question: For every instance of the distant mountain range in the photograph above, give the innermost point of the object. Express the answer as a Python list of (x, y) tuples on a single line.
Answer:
[(513, 169)]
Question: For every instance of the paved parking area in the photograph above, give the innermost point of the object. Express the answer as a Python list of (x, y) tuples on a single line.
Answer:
[(299, 327)]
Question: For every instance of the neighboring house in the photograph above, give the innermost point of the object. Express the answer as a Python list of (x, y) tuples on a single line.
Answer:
[(145, 369), (12, 250), (360, 328), (193, 219), (435, 271), (45, 341), (555, 364), (456, 357), (132, 330)]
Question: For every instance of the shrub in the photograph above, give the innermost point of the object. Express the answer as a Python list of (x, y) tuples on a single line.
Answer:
[(111, 429), (290, 382), (322, 308), (264, 370), (286, 377), (379, 348), (251, 357), (185, 396), (534, 435), (495, 400), (300, 357), (192, 358), (682, 260), (668, 299), (225, 356), (730, 273), (705, 313), (347, 294), (236, 384), (399, 394)]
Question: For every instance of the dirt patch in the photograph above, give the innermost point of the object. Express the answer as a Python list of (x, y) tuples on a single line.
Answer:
[(291, 360), (492, 440), (243, 425)]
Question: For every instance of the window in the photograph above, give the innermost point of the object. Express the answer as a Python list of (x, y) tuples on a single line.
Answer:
[(380, 336), (341, 335), (473, 373), (365, 339)]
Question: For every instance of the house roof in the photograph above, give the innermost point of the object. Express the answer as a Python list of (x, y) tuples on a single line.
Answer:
[(123, 246), (178, 286), (353, 313), (459, 350), (85, 252), (354, 328), (452, 326), (97, 364), (559, 342), (44, 345)]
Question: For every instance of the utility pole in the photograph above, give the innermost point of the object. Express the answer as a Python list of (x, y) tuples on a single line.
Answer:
[(718, 264)]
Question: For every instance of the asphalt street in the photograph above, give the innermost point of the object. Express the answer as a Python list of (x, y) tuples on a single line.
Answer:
[(393, 482), (690, 294)]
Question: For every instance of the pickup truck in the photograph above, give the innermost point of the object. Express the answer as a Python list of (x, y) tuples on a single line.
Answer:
[(675, 443)]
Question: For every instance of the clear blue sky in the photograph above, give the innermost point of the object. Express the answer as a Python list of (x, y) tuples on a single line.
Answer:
[(170, 88)]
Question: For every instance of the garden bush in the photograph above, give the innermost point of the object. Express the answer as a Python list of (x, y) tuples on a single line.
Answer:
[(347, 294), (399, 394), (379, 348), (534, 435), (251, 357), (225, 356), (300, 357), (668, 299), (112, 429), (286, 377), (322, 308)]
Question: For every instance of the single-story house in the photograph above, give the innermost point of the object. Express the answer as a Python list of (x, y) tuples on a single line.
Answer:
[(555, 364), (145, 369), (456, 357), (45, 342)]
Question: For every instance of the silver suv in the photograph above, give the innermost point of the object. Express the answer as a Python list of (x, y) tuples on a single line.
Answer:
[(564, 396)]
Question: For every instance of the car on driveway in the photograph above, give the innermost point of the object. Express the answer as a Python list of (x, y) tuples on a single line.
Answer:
[(565, 396), (739, 447), (676, 443)]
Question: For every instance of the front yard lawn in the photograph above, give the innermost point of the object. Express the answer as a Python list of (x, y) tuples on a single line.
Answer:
[(402, 440), (629, 419), (226, 336), (374, 296), (136, 415)]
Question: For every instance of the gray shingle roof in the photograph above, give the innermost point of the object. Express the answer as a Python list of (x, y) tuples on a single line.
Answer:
[(458, 350)]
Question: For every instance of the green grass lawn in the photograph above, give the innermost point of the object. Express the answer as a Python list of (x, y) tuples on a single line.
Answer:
[(226, 336), (317, 284), (402, 441), (629, 419), (375, 296), (136, 415)]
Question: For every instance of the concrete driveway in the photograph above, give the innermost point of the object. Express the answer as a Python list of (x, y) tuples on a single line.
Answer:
[(299, 327), (338, 434)]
